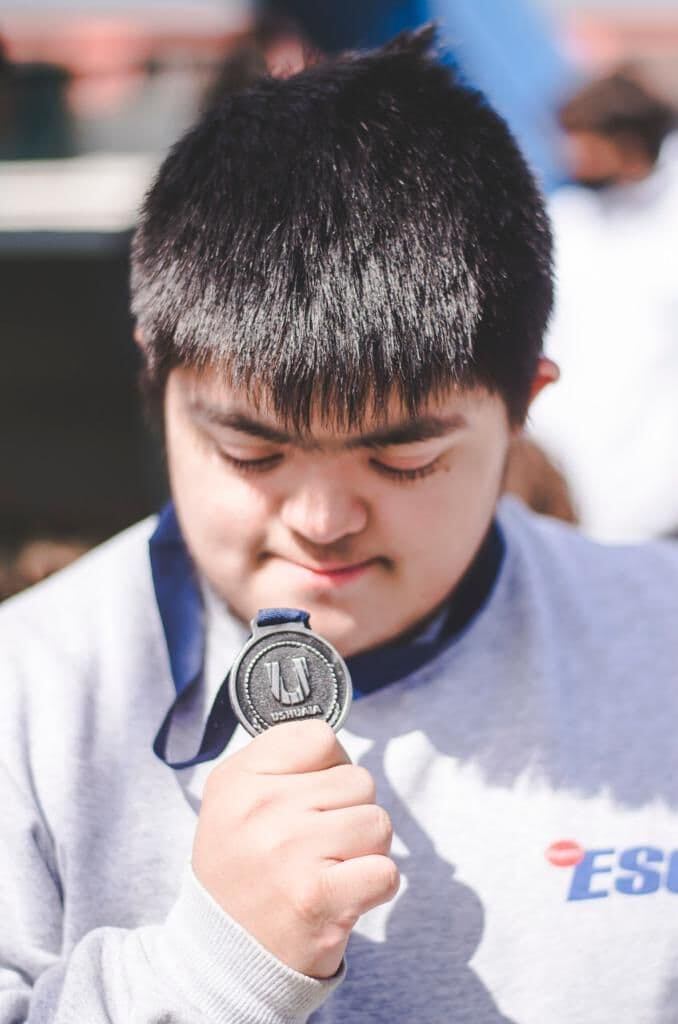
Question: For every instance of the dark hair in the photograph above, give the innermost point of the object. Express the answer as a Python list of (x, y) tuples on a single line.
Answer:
[(621, 108), (365, 228)]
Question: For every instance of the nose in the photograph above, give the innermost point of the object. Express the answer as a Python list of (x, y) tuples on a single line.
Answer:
[(323, 509)]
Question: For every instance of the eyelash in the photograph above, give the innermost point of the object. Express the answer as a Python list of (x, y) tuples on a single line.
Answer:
[(398, 475), (405, 475), (252, 465)]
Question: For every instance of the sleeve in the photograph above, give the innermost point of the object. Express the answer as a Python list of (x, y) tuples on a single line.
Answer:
[(198, 965)]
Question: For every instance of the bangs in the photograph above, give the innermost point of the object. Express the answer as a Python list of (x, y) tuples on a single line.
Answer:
[(315, 349)]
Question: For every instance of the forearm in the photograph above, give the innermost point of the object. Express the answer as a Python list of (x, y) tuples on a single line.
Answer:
[(198, 966)]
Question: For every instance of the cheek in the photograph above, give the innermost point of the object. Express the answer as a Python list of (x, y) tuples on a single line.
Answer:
[(439, 527), (222, 515), (235, 519)]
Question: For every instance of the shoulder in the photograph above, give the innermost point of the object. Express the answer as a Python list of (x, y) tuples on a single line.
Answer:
[(572, 569), (64, 612), (76, 653), (83, 671)]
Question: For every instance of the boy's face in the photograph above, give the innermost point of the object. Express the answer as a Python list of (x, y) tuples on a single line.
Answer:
[(369, 531)]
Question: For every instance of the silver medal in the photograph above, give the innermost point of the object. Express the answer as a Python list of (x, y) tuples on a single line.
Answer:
[(287, 673)]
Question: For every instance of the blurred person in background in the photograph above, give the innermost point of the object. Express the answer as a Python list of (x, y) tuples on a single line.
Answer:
[(274, 46), (612, 422), (532, 477), (35, 561), (35, 121), (614, 132)]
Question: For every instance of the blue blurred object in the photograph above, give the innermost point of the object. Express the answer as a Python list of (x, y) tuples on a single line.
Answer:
[(510, 52), (504, 47)]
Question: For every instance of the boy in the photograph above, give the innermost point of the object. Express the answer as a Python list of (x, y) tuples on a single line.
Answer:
[(341, 283)]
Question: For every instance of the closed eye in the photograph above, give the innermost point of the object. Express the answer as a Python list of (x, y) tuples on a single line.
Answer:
[(261, 465), (404, 475)]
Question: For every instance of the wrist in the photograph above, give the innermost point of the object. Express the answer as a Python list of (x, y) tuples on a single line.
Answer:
[(226, 972)]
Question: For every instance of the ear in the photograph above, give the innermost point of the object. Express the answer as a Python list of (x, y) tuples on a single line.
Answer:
[(139, 338), (547, 372)]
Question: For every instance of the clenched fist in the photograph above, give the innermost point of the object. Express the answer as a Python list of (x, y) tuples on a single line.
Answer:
[(292, 845)]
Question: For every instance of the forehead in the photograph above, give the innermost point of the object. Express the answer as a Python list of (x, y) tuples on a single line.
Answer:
[(208, 394)]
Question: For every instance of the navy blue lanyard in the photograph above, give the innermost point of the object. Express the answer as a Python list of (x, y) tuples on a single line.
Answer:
[(177, 594), (179, 601)]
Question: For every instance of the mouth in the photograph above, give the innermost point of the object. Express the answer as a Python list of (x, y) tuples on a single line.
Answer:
[(333, 574)]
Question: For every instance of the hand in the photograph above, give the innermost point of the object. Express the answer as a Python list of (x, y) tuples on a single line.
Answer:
[(292, 845)]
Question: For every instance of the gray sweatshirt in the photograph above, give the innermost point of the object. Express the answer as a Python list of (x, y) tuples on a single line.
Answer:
[(531, 771)]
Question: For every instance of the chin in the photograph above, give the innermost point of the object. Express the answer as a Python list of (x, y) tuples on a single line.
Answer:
[(347, 633), (338, 626)]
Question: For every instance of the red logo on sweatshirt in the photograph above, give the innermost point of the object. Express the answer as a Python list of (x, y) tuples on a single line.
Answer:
[(565, 853)]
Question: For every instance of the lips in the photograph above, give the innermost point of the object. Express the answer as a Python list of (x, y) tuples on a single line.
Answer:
[(331, 574), (336, 570)]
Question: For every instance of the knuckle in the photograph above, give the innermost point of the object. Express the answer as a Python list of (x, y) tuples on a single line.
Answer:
[(391, 877), (332, 936), (338, 910), (382, 825), (309, 901), (250, 801), (320, 736), (226, 776), (215, 785), (281, 845), (258, 802), (365, 784)]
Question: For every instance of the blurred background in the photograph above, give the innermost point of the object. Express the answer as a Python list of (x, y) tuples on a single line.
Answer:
[(93, 92)]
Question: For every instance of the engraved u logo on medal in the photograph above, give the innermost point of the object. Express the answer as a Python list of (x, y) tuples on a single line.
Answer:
[(279, 688)]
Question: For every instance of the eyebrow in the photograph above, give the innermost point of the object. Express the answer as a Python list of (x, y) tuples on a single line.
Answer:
[(421, 428)]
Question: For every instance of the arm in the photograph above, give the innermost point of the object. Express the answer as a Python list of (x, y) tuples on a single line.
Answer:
[(197, 966)]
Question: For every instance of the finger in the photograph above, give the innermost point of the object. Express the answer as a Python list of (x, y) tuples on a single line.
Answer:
[(352, 832), (344, 785), (294, 747), (355, 886)]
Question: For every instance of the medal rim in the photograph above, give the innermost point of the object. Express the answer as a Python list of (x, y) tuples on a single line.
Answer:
[(260, 632)]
